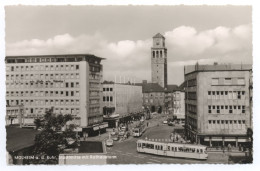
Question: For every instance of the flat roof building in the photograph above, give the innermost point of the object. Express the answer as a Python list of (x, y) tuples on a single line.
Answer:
[(71, 84), (121, 100), (217, 104)]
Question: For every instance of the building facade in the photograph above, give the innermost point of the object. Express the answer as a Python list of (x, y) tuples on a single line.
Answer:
[(120, 101), (217, 104), (70, 84), (175, 103), (159, 60), (153, 96), (122, 98)]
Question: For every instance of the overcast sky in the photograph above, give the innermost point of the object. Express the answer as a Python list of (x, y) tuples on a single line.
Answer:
[(123, 35)]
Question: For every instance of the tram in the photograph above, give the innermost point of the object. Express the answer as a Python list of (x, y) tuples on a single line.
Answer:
[(139, 130), (180, 150)]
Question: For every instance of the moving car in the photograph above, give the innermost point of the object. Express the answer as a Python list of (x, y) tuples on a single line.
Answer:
[(109, 142)]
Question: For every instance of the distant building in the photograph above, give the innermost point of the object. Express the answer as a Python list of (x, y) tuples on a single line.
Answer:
[(71, 84), (175, 102), (159, 61), (153, 96), (163, 100), (121, 100), (217, 99)]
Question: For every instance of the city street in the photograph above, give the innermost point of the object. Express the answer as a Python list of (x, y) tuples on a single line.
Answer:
[(125, 151)]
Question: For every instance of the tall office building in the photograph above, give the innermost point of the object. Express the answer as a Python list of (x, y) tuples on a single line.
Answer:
[(70, 84), (159, 61), (217, 101)]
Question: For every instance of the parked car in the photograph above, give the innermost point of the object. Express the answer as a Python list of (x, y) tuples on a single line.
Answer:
[(171, 123), (165, 122)]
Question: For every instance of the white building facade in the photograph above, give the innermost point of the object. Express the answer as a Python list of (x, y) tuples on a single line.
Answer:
[(70, 84)]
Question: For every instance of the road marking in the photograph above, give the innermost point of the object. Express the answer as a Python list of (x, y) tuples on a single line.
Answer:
[(155, 160), (127, 154)]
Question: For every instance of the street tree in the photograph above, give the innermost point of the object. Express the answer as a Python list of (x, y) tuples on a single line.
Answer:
[(53, 139)]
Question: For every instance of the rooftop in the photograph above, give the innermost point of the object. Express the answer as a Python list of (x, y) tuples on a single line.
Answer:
[(158, 35), (54, 58), (19, 138), (217, 67)]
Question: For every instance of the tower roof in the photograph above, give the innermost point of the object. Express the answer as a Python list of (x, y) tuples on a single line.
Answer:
[(158, 35)]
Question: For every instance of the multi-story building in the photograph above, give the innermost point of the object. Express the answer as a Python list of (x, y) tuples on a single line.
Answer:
[(121, 100), (175, 102), (159, 61), (217, 104), (70, 84), (153, 96)]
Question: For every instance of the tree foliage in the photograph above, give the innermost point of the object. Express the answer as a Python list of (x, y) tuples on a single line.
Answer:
[(52, 140)]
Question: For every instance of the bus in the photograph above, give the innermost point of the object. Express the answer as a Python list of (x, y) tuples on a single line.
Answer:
[(178, 150), (139, 130)]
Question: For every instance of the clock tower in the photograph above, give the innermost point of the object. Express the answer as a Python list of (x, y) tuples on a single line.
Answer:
[(159, 60)]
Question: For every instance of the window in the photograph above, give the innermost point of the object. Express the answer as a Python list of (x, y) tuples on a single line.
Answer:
[(243, 109), (214, 81), (227, 81), (209, 109), (72, 93), (241, 81), (111, 98), (72, 85), (67, 93), (104, 99), (218, 111), (230, 109), (67, 85), (104, 89), (238, 95), (111, 89), (77, 67)]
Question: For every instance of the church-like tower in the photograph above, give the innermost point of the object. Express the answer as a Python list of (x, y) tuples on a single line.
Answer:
[(159, 60)]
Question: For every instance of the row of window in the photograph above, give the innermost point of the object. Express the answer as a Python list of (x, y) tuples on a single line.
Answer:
[(226, 95), (107, 89), (41, 102), (41, 93), (191, 83), (192, 108), (17, 77), (43, 85), (153, 94), (159, 54), (43, 68), (41, 111), (228, 81), (170, 148), (107, 98), (227, 124), (225, 109), (191, 95)]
